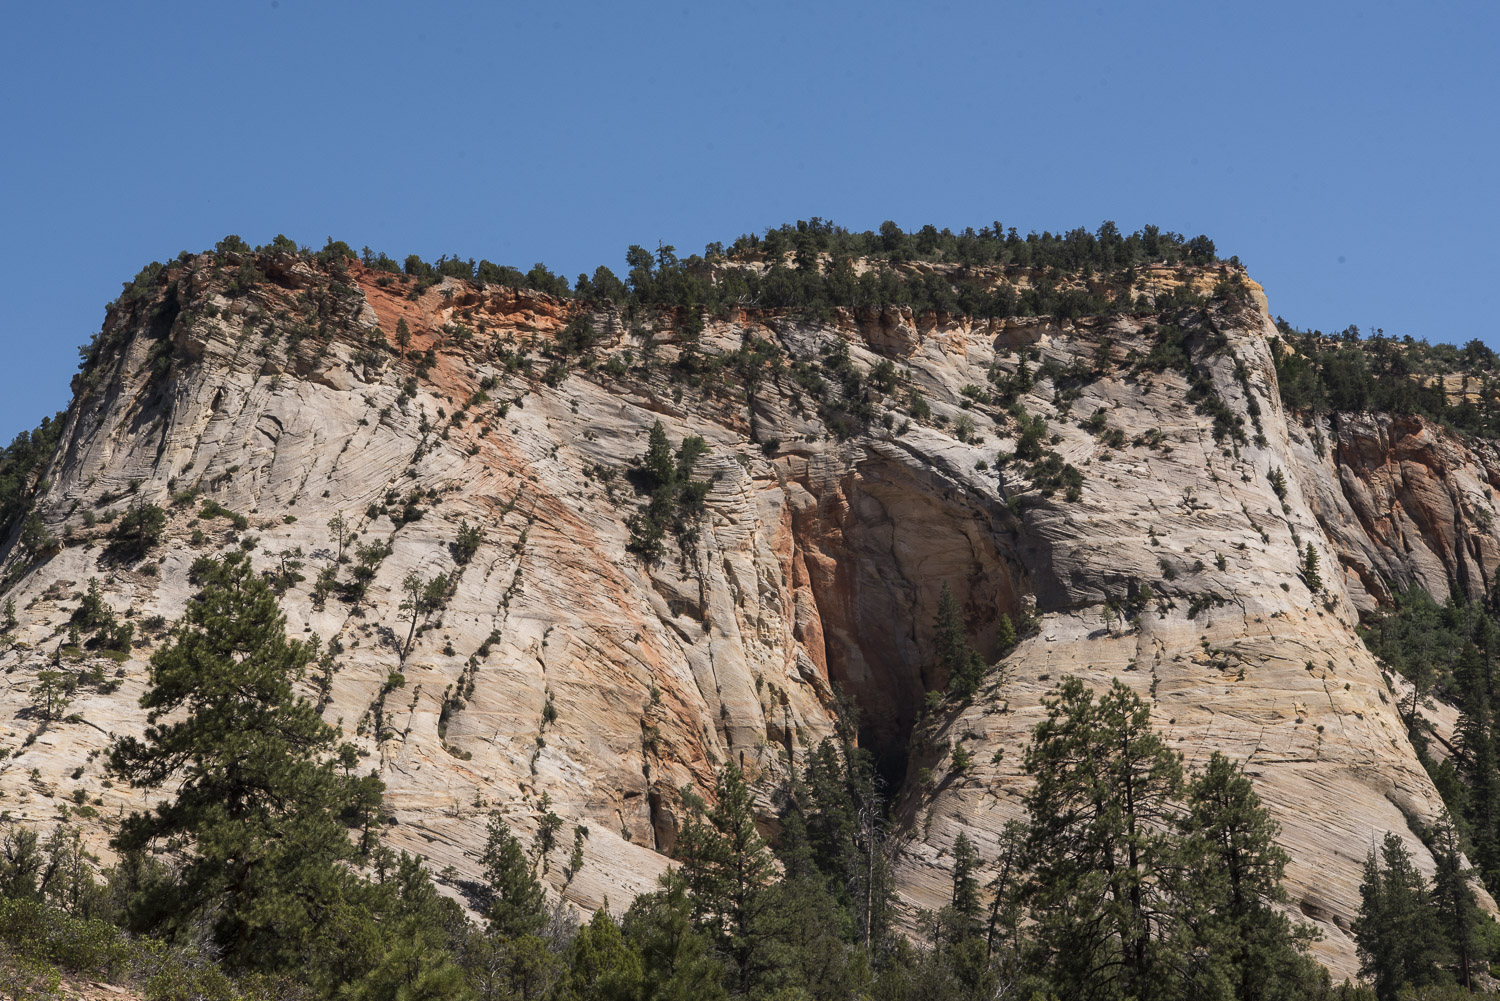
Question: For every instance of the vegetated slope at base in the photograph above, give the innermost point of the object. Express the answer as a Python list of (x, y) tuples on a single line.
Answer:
[(1121, 488)]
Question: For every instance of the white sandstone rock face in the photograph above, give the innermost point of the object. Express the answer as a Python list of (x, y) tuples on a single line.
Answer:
[(818, 563)]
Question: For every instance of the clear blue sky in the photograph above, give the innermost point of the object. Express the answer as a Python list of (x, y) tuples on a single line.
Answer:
[(1345, 151)]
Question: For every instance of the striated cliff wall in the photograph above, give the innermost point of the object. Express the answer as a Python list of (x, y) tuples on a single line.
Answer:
[(566, 674)]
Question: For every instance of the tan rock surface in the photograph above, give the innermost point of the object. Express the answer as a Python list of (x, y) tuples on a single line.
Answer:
[(819, 562)]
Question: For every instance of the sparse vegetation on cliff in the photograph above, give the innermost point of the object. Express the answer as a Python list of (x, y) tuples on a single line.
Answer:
[(22, 462), (509, 408), (676, 498), (1348, 373)]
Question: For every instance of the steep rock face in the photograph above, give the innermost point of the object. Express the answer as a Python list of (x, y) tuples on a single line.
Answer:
[(566, 674), (1405, 503)]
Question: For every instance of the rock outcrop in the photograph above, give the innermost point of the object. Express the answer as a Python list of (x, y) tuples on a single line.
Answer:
[(566, 674)]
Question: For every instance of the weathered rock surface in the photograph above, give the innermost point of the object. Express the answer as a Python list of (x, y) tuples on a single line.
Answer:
[(819, 563)]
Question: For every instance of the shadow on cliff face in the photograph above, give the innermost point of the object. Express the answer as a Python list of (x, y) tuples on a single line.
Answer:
[(874, 547)]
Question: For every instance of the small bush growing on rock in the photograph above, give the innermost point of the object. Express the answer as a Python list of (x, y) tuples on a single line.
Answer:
[(138, 531), (467, 544)]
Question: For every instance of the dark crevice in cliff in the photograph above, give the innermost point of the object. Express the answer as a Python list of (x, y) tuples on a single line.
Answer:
[(879, 546)]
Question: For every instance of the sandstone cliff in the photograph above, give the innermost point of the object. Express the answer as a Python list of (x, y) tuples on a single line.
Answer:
[(566, 674)]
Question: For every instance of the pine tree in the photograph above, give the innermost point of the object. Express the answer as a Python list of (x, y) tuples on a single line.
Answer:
[(678, 960), (257, 794), (962, 760), (968, 912), (341, 532), (728, 866), (52, 694), (1458, 910), (1396, 933), (957, 660), (413, 968), (845, 821), (1310, 570), (138, 530), (658, 462), (796, 942), (1005, 635), (420, 598), (1231, 883), (1003, 936), (602, 966), (1100, 809), (517, 906)]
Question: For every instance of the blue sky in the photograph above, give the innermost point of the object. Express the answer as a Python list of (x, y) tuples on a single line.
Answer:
[(1346, 152)]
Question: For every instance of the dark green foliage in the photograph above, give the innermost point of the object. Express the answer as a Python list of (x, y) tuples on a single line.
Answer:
[(213, 509), (1444, 650), (967, 912), (1310, 575), (94, 617), (1348, 373), (676, 499), (1450, 651), (1031, 436), (22, 462), (797, 943), (728, 867), (809, 268), (1101, 812), (414, 968), (678, 960), (35, 540), (420, 598), (577, 338), (1051, 474), (1233, 864), (1400, 945), (257, 803), (1460, 920), (335, 252), (602, 966), (1005, 635), (957, 662), (467, 544), (835, 828), (516, 907), (52, 694), (138, 531)]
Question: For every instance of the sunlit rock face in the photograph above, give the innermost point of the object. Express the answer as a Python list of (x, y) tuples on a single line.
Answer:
[(567, 674)]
